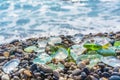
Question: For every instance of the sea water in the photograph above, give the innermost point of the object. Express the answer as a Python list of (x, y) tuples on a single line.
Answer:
[(20, 19)]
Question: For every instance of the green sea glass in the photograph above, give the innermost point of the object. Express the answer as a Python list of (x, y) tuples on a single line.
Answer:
[(117, 43), (30, 49), (92, 46), (103, 41)]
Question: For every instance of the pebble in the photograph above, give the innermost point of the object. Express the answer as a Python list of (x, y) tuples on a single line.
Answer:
[(46, 69), (103, 78), (106, 74), (16, 78), (114, 78), (6, 54), (86, 70), (27, 72), (56, 74), (76, 72), (81, 65), (2, 58), (5, 77)]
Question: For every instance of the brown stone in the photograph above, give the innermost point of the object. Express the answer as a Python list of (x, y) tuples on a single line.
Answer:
[(6, 54), (27, 72)]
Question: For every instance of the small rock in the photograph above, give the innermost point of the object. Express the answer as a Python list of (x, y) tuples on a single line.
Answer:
[(81, 65), (46, 69), (114, 78), (103, 78), (16, 78), (116, 69), (5, 77), (33, 67), (106, 74), (76, 72), (86, 70), (56, 75), (2, 58), (115, 73), (6, 54), (101, 65), (27, 72), (77, 78), (36, 74)]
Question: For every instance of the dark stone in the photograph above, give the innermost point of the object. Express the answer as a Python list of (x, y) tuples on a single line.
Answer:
[(14, 41), (33, 67), (101, 65), (106, 69), (56, 75), (114, 78), (106, 74), (86, 70), (16, 78), (2, 59), (116, 69), (83, 75), (115, 73)]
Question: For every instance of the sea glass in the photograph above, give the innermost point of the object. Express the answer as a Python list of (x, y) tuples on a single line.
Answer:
[(42, 58), (105, 42), (107, 52), (11, 65), (42, 44), (61, 54), (117, 43), (111, 61), (92, 46), (54, 40), (30, 49)]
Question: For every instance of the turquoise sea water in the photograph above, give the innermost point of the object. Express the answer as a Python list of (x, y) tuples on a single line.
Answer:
[(25, 18)]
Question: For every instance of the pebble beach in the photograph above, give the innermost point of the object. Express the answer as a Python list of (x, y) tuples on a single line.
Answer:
[(23, 60)]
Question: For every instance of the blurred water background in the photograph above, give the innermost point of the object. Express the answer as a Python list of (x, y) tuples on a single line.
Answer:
[(20, 19)]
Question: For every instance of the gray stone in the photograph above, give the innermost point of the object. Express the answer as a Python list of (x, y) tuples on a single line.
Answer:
[(56, 74), (76, 72)]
